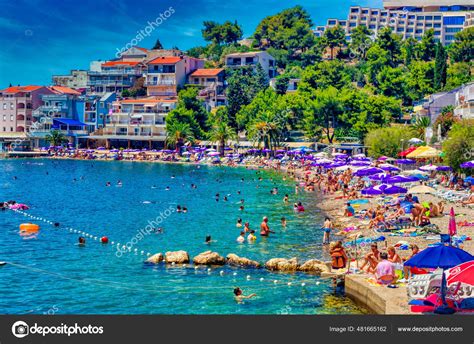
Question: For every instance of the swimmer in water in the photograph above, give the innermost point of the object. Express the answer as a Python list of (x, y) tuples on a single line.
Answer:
[(246, 227), (185, 210), (241, 237), (172, 177), (208, 239), (178, 208), (283, 222), (217, 197), (241, 208), (82, 241), (239, 223), (239, 295), (225, 198), (107, 184), (251, 237), (167, 188), (153, 187), (119, 183), (286, 198)]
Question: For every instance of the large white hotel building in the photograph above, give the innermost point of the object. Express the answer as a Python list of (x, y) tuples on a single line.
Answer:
[(410, 18)]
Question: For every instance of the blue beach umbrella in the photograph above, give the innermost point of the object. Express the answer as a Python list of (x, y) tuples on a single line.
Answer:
[(468, 164), (405, 162), (367, 171)]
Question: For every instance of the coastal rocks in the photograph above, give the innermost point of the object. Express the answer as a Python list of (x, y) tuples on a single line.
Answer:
[(235, 260), (155, 259), (209, 258), (177, 257), (315, 266), (282, 264)]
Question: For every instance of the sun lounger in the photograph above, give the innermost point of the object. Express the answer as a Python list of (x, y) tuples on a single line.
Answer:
[(421, 286)]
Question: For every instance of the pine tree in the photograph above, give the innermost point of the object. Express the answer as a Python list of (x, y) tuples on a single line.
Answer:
[(440, 67), (158, 45)]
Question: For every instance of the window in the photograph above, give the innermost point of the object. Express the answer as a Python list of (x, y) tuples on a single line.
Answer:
[(421, 17), (365, 11), (354, 10), (419, 24), (437, 25), (411, 23), (375, 12), (437, 17), (401, 22), (4, 106), (409, 30), (4, 118), (363, 18), (383, 14), (449, 37), (352, 24), (331, 22), (11, 118), (11, 128), (11, 106), (454, 20), (373, 19), (419, 31), (411, 17), (429, 17), (372, 27), (343, 23), (4, 128), (452, 29)]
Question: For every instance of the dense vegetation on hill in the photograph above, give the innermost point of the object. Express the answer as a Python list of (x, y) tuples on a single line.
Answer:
[(345, 89)]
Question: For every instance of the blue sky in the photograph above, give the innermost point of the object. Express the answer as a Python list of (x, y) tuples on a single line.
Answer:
[(39, 38)]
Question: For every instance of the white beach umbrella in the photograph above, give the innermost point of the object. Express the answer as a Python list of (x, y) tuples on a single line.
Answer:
[(428, 168), (321, 154)]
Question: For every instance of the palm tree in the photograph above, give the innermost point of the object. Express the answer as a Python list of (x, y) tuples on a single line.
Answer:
[(266, 129), (55, 138), (420, 126), (177, 134), (221, 132)]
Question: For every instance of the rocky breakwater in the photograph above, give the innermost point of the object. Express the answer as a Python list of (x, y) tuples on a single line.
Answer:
[(235, 260), (176, 257), (209, 258)]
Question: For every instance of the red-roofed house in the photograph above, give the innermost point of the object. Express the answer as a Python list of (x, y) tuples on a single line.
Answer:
[(166, 73), (17, 104), (211, 80)]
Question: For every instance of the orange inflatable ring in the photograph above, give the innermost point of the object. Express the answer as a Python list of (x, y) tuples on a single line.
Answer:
[(29, 227)]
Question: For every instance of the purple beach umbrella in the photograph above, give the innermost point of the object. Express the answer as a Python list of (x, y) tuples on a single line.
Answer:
[(468, 164), (405, 162), (367, 171), (385, 189), (380, 176)]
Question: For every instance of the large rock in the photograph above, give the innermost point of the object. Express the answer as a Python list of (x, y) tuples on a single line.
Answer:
[(282, 264), (235, 260), (209, 258), (177, 257), (316, 266), (155, 259)]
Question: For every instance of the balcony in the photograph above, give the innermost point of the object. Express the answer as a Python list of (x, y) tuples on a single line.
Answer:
[(161, 83), (118, 72), (110, 83)]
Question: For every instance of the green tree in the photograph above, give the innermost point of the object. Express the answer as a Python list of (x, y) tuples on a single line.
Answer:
[(158, 45), (361, 41), (420, 126), (227, 32), (221, 133), (323, 75), (440, 70), (462, 49), (420, 79), (458, 74), (281, 84), (426, 50), (334, 37), (55, 138), (387, 141), (408, 48), (391, 43), (391, 82), (459, 145), (242, 86), (177, 134), (377, 59), (265, 128), (324, 112)]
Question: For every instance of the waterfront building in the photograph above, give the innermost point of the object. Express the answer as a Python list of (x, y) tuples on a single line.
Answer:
[(411, 18), (61, 111), (464, 102), (432, 105), (253, 58), (212, 84), (136, 122), (96, 111), (165, 74)]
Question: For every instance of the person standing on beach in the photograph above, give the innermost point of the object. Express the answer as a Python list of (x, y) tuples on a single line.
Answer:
[(264, 229), (327, 227)]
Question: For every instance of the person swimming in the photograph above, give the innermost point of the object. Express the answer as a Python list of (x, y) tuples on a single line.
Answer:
[(251, 237), (185, 210), (239, 223), (108, 184), (119, 183), (167, 188), (283, 222), (208, 239), (241, 237), (82, 241), (239, 295), (178, 208), (241, 208), (286, 198)]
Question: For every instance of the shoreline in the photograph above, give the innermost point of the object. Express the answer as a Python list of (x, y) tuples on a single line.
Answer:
[(358, 288)]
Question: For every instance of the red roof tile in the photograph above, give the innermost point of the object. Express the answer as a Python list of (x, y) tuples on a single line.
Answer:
[(18, 89), (207, 72), (166, 60), (120, 63), (64, 90)]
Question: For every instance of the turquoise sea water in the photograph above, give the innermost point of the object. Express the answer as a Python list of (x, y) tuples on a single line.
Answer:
[(51, 274)]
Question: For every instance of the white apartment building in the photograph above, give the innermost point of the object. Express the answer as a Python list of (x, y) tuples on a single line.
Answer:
[(409, 18), (465, 102), (263, 58)]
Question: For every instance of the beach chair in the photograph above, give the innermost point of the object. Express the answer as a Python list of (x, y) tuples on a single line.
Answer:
[(420, 286)]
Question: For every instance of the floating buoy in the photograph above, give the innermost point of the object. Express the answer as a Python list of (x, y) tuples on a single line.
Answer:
[(317, 283), (221, 273), (248, 277), (105, 240), (29, 227), (209, 270), (148, 254), (289, 283), (235, 274), (173, 263), (261, 279), (275, 281), (142, 253), (303, 284), (196, 267)]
